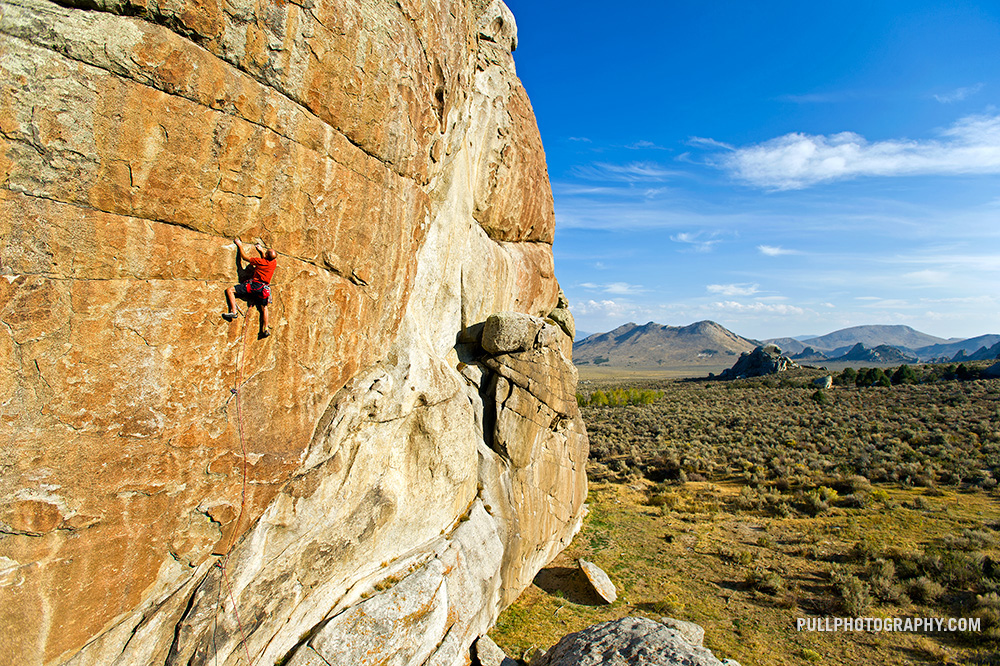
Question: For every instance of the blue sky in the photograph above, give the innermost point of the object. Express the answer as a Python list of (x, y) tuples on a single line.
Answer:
[(782, 168)]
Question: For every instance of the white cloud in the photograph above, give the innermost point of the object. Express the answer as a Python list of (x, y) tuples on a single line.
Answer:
[(581, 139), (959, 94), (759, 308), (605, 307), (775, 250), (796, 161), (734, 289)]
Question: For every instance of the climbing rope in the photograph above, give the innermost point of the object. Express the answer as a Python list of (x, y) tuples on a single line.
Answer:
[(222, 564), (236, 612)]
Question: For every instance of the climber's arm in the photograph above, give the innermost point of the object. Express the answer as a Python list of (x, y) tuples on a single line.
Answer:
[(243, 254)]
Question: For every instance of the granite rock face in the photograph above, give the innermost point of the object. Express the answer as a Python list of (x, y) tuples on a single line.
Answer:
[(369, 464)]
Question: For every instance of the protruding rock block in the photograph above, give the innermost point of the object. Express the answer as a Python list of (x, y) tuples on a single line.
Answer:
[(507, 332)]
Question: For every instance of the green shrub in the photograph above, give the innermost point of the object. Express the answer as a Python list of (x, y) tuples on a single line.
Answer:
[(924, 590), (767, 582), (855, 597)]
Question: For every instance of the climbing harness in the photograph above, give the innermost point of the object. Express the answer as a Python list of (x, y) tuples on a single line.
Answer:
[(259, 290)]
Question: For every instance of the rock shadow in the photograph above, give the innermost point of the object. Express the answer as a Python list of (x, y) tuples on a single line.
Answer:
[(570, 583)]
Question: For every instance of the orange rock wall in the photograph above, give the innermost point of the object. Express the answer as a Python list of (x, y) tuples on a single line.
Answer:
[(135, 142)]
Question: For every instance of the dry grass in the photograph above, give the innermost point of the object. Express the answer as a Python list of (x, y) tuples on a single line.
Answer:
[(746, 578)]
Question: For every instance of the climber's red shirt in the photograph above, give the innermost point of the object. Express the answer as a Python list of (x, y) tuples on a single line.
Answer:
[(263, 270)]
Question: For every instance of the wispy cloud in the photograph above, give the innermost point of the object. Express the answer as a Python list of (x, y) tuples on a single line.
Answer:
[(733, 289), (643, 144), (775, 250), (796, 161), (617, 288), (928, 277), (698, 241), (703, 142), (633, 172), (832, 97), (959, 94), (580, 139)]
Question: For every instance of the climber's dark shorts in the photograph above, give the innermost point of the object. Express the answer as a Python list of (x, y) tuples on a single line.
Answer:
[(255, 293)]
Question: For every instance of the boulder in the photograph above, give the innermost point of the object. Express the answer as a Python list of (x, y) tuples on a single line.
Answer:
[(488, 653), (823, 382), (599, 580), (630, 641), (758, 363)]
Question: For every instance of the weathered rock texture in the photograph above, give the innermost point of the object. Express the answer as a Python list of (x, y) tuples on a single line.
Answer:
[(395, 486), (631, 641)]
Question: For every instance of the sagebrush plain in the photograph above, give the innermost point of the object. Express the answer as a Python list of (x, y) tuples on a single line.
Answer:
[(744, 506)]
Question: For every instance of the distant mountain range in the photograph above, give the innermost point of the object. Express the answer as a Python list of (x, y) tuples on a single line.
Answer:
[(870, 336), (708, 344), (920, 346), (656, 345)]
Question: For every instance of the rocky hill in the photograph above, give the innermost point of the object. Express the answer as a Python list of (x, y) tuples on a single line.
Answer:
[(652, 345), (982, 354), (177, 491), (882, 354), (809, 354)]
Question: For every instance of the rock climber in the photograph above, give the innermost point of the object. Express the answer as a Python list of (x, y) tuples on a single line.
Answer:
[(256, 290)]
